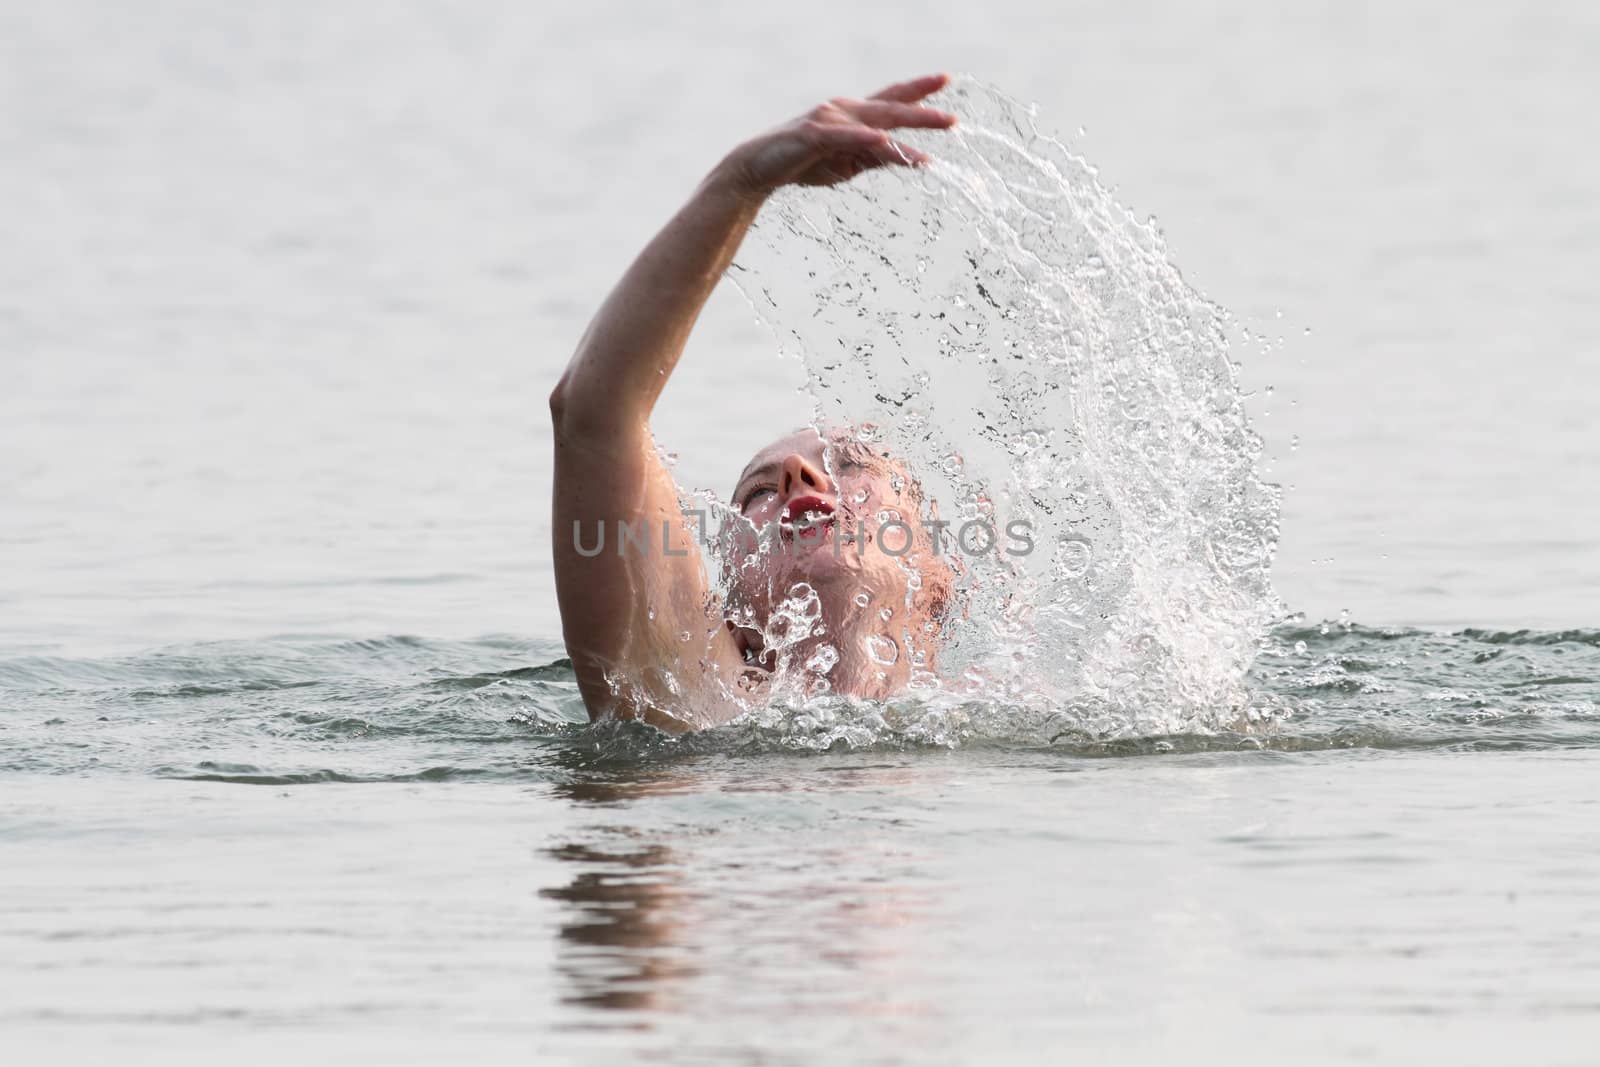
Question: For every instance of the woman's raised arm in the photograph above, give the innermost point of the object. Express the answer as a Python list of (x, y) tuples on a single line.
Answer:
[(625, 608)]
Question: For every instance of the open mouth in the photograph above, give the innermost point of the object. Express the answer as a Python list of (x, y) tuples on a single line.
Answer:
[(806, 518)]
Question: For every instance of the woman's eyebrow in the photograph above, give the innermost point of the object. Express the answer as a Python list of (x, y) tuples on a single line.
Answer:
[(858, 457)]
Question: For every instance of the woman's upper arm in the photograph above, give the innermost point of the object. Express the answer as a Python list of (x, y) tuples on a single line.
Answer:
[(631, 580)]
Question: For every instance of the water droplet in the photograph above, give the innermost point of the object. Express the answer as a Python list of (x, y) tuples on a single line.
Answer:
[(862, 600), (882, 649), (886, 614), (1073, 556), (823, 660)]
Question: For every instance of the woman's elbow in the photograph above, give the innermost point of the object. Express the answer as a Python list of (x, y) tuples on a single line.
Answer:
[(582, 415), (569, 414), (558, 401)]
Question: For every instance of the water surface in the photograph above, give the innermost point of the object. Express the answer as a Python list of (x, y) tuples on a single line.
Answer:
[(290, 764)]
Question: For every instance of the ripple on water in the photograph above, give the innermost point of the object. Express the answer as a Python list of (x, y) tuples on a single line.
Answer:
[(511, 711)]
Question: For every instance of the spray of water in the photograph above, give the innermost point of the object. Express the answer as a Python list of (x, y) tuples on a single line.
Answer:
[(997, 323)]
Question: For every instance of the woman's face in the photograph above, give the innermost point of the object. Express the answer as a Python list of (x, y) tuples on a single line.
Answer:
[(827, 530)]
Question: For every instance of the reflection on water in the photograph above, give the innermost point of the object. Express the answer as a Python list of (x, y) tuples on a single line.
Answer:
[(649, 908), (909, 909), (622, 937)]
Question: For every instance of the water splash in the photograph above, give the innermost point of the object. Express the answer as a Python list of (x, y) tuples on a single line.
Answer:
[(1000, 324)]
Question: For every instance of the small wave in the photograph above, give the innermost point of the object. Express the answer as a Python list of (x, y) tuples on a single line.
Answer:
[(1535, 637), (247, 775), (509, 710)]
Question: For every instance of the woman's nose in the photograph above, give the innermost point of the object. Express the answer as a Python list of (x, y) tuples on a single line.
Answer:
[(800, 477)]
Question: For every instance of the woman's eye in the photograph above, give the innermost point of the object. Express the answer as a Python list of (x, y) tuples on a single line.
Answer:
[(756, 494)]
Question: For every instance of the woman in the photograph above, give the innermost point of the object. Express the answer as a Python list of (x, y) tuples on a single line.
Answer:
[(647, 635)]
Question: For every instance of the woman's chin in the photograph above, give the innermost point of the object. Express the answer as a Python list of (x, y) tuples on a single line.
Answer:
[(839, 574), (820, 564)]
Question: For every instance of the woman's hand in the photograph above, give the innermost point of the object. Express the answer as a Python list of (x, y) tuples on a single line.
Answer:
[(837, 140)]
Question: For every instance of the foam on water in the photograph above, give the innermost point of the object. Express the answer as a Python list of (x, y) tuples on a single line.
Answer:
[(1020, 341)]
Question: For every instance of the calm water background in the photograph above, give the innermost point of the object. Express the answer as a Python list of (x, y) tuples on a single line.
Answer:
[(282, 293)]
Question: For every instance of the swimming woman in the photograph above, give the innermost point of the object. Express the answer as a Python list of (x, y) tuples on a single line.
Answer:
[(648, 636)]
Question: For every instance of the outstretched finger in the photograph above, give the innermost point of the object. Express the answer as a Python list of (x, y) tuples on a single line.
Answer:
[(886, 114), (911, 91)]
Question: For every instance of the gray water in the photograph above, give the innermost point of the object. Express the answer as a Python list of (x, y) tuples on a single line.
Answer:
[(290, 763)]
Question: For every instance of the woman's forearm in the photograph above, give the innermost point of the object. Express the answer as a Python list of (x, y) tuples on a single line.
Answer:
[(635, 340), (633, 344)]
